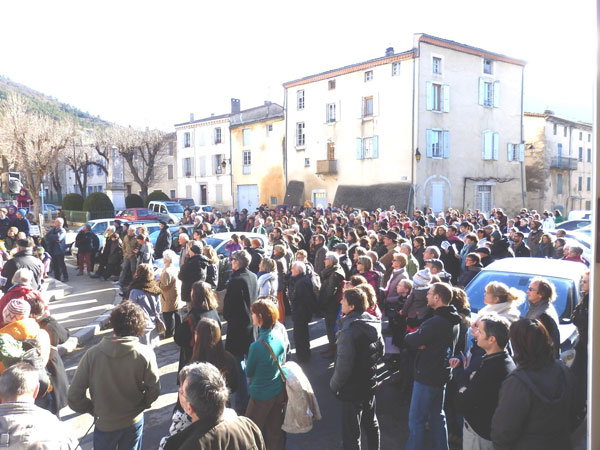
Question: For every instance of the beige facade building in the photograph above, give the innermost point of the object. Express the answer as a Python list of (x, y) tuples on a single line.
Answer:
[(257, 148), (436, 126), (559, 160)]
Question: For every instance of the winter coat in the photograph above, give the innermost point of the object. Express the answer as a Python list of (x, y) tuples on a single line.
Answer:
[(24, 201), (4, 226), (466, 277), (145, 253), (23, 291), (359, 348), (242, 291), (266, 381), (346, 265), (256, 255), (331, 284), (22, 225), (416, 303), (194, 269), (150, 303), (439, 335), (390, 291), (129, 245), (522, 251), (467, 248), (267, 284), (212, 275), (115, 252), (320, 259), (282, 270), (163, 242), (55, 241), (534, 239), (84, 242), (418, 254), (500, 249), (302, 407), (302, 297), (544, 311), (412, 265), (534, 409), (170, 287), (387, 260), (184, 334), (23, 259)]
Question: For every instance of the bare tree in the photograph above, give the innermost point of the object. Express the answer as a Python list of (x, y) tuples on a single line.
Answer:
[(80, 157)]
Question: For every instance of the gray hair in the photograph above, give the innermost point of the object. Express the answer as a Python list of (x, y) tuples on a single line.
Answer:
[(19, 379), (205, 390), (300, 266), (433, 249), (61, 220), (406, 246), (242, 257), (169, 255), (23, 276), (185, 236), (333, 257)]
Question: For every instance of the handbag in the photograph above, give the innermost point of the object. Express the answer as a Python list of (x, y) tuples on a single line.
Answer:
[(279, 367)]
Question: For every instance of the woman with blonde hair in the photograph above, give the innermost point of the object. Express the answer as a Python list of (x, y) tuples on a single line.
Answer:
[(212, 271), (170, 293), (502, 300), (267, 280)]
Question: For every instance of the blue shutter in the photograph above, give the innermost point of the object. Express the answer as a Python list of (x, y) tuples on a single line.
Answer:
[(487, 145), (429, 96), (375, 149), (496, 94), (481, 90), (509, 152), (521, 152), (429, 149), (446, 143), (359, 148), (446, 96), (495, 146)]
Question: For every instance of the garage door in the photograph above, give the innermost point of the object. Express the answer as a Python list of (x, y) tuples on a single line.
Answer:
[(247, 197)]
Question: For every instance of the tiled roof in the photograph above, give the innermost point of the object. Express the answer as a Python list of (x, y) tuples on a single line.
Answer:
[(553, 118), (257, 114)]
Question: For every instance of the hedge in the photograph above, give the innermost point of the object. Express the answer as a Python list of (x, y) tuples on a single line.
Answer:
[(156, 196), (72, 202), (134, 201)]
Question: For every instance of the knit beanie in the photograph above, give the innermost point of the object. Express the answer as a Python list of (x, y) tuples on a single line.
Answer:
[(422, 278), (23, 212), (16, 307)]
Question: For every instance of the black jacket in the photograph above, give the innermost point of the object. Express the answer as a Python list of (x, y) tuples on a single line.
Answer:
[(194, 269), (242, 291), (469, 274), (346, 265), (439, 335), (23, 259), (4, 226), (534, 409), (479, 401), (521, 251), (359, 349), (302, 297), (163, 242), (84, 241), (257, 255), (331, 283)]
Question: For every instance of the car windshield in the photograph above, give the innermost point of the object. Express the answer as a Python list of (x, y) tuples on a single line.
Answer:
[(214, 243), (175, 208), (144, 212), (476, 288)]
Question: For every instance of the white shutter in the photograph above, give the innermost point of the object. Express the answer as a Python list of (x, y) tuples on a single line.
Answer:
[(509, 152), (446, 143), (429, 91), (481, 91), (202, 165), (495, 146), (496, 94), (521, 152), (487, 145), (446, 95), (429, 147)]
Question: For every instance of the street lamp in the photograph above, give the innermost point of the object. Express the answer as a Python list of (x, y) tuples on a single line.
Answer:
[(418, 155)]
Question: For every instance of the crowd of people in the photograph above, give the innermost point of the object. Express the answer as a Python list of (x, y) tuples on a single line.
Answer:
[(490, 381)]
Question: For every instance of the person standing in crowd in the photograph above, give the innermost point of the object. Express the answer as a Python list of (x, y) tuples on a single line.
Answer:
[(435, 341), (472, 268), (4, 223), (344, 260), (84, 244), (302, 299), (535, 405), (541, 293), (143, 251), (24, 200), (390, 240), (332, 279), (55, 243), (320, 250), (267, 388), (256, 254), (170, 293), (212, 270), (580, 320), (412, 265), (520, 248), (194, 269), (145, 292), (479, 398), (118, 364), (129, 257), (267, 278), (534, 239), (24, 258), (360, 347), (163, 241)]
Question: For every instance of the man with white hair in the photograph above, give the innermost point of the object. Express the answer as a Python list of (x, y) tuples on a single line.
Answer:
[(22, 423), (303, 302)]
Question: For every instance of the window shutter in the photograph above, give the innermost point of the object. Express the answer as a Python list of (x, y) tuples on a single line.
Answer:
[(496, 94), (446, 95), (521, 152), (446, 143), (359, 148), (375, 149), (495, 145), (509, 151), (487, 145), (429, 148), (429, 96), (202, 166), (481, 90), (376, 104)]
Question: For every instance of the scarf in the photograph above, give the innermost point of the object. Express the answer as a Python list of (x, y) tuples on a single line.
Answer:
[(508, 310)]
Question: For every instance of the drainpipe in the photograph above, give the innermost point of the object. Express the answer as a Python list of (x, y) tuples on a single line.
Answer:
[(231, 166), (523, 195), (413, 150), (285, 160)]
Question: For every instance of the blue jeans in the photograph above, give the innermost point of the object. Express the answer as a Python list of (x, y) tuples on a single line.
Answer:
[(129, 438), (427, 404)]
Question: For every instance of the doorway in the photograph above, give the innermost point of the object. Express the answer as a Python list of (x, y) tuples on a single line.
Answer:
[(203, 195), (436, 202)]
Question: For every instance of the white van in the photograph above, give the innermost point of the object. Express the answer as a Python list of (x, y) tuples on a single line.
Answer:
[(170, 212)]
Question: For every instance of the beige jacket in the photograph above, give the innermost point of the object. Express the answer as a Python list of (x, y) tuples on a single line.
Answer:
[(170, 290)]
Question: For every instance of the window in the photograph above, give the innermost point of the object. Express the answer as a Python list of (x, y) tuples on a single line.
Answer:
[(580, 136), (580, 183), (331, 85), (247, 161), (331, 151), (491, 142), (436, 65), (187, 139), (300, 99), (99, 170), (489, 93), (200, 138), (171, 150), (483, 198), (368, 75), (269, 129), (306, 162), (589, 155), (300, 136), (273, 200), (438, 143), (170, 171), (516, 152), (589, 184), (187, 167), (172, 193), (90, 189), (246, 137), (395, 69), (218, 135), (99, 188), (589, 138), (487, 66), (217, 160), (580, 154), (554, 129), (438, 97), (559, 184), (330, 112), (367, 106), (202, 166), (367, 148), (90, 171), (565, 131), (588, 205)]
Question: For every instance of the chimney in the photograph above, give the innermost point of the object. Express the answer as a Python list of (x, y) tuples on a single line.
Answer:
[(389, 51), (235, 105), (191, 117)]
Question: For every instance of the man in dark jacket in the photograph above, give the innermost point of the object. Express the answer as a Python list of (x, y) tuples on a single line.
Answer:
[(344, 260), (4, 223), (320, 252), (23, 259), (478, 400), (55, 243), (435, 341), (474, 266), (21, 221), (194, 269), (163, 241), (84, 241), (303, 302), (534, 239), (520, 249), (359, 349), (256, 255), (332, 278), (541, 293)]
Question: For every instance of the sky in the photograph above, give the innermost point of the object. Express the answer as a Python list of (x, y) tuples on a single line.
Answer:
[(151, 64)]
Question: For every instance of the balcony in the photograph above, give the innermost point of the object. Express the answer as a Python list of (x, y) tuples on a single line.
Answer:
[(563, 163), (328, 166)]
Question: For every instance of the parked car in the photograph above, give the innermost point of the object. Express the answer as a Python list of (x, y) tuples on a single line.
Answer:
[(580, 214), (132, 214), (204, 208), (572, 225), (49, 207), (174, 229), (98, 227), (170, 212), (517, 272), (185, 202)]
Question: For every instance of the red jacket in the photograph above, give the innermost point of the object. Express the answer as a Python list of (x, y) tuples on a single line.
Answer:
[(19, 291)]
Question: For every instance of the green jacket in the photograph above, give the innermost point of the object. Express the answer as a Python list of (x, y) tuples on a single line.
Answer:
[(266, 381), (412, 266), (110, 369)]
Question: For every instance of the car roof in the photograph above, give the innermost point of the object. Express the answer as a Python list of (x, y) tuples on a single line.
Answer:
[(538, 266), (231, 233)]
